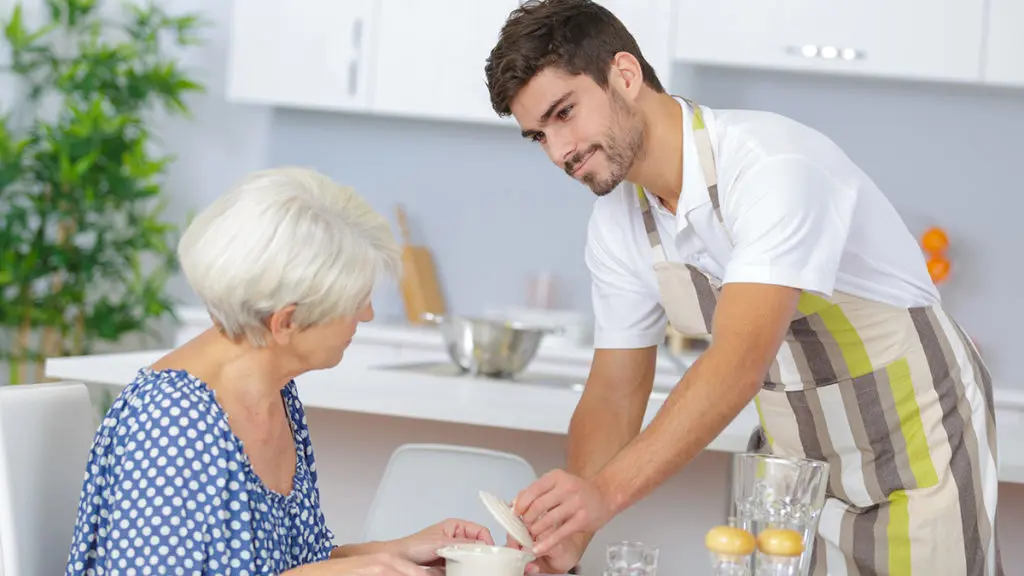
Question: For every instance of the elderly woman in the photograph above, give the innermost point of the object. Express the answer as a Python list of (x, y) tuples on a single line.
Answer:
[(204, 464)]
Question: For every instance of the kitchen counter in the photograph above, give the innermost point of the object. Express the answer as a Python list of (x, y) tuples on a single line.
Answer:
[(378, 369), (377, 379)]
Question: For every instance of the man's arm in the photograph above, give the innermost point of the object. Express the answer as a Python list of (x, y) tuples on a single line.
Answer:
[(750, 323), (610, 411), (612, 407)]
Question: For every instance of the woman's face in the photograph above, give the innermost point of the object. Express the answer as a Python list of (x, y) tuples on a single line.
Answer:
[(318, 347)]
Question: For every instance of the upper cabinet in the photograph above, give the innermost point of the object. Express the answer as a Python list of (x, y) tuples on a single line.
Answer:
[(1004, 62), (651, 22), (423, 59), (303, 53), (911, 39), (431, 57)]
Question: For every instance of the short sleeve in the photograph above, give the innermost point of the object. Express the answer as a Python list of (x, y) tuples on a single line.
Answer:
[(165, 493), (626, 313), (789, 221)]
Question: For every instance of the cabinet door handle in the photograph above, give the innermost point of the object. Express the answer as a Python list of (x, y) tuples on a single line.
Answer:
[(353, 66), (825, 52)]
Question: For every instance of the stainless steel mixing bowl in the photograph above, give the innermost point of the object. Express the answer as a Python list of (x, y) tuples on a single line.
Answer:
[(489, 346)]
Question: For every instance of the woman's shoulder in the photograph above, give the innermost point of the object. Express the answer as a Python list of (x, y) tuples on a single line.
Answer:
[(155, 393), (168, 404)]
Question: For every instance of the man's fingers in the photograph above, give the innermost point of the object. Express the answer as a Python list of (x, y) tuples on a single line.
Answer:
[(558, 515), (544, 503), (570, 527), (540, 486)]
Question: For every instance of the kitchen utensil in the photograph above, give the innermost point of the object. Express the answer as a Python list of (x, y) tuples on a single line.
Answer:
[(420, 288), (483, 560), (489, 347), (512, 524)]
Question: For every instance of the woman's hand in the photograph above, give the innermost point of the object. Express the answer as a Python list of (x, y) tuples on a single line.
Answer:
[(421, 547), (379, 564)]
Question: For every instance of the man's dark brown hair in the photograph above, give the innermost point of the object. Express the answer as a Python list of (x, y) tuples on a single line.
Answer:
[(574, 36)]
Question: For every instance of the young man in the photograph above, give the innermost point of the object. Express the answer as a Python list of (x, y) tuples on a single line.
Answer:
[(759, 231)]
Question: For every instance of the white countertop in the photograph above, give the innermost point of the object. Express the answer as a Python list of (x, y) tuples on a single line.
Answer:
[(366, 382)]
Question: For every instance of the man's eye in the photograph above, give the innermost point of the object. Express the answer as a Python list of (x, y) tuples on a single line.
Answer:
[(538, 137), (563, 114)]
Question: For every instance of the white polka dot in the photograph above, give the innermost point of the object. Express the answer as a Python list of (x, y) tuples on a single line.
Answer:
[(193, 503)]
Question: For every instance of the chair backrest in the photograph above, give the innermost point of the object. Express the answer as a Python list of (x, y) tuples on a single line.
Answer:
[(46, 431), (424, 484)]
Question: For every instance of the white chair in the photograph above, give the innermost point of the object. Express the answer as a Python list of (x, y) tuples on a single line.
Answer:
[(46, 431), (424, 484)]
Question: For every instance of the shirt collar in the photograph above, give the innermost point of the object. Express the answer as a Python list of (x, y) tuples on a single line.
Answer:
[(695, 191)]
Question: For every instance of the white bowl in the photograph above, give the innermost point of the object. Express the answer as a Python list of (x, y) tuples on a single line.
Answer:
[(484, 560)]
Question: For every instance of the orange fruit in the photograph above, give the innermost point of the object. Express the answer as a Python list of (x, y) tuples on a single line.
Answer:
[(934, 240), (938, 268)]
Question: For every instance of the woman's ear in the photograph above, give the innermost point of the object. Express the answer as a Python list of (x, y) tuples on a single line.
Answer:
[(281, 324)]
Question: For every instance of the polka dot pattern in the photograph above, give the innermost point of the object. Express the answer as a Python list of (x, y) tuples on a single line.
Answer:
[(169, 489)]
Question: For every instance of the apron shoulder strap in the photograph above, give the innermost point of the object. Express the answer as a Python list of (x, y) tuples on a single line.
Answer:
[(706, 157), (657, 250)]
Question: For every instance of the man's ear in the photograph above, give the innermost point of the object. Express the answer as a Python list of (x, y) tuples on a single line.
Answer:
[(626, 75)]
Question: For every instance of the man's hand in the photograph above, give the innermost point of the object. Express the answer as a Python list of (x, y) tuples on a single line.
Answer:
[(559, 559), (558, 505)]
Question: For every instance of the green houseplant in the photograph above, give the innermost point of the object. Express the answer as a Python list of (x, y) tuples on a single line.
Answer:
[(85, 251)]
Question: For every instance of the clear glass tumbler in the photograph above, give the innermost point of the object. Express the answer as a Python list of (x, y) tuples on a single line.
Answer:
[(631, 559), (771, 491)]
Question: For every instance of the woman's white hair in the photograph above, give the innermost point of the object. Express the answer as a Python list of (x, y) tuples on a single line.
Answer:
[(284, 236)]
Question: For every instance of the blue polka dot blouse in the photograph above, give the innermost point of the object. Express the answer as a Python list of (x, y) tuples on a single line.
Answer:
[(169, 490)]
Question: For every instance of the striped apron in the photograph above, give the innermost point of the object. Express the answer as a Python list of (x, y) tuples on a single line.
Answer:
[(896, 400)]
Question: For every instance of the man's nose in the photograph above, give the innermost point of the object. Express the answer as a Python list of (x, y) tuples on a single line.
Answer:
[(561, 149)]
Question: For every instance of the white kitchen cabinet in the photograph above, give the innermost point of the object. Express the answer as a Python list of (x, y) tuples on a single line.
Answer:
[(910, 39), (431, 57), (652, 23), (315, 54), (1004, 51)]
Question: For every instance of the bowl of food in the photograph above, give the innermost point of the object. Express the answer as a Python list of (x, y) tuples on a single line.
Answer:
[(470, 559), (490, 346)]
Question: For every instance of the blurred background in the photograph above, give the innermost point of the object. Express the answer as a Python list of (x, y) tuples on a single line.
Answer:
[(120, 120), (388, 96)]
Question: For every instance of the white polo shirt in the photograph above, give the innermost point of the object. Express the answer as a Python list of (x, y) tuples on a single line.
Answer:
[(799, 211)]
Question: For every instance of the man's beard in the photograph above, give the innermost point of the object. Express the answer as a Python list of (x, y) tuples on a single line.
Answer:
[(625, 141)]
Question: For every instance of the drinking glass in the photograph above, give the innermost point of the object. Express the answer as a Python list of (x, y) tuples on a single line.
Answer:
[(631, 559), (779, 492)]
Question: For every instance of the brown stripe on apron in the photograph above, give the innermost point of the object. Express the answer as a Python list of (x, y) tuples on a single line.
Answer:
[(868, 548), (880, 432), (823, 449), (862, 440), (824, 342), (813, 354), (963, 462), (705, 295)]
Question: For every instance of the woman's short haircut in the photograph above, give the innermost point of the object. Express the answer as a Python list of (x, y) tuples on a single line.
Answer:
[(284, 236)]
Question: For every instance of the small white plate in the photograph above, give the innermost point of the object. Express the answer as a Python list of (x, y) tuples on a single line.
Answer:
[(513, 524)]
